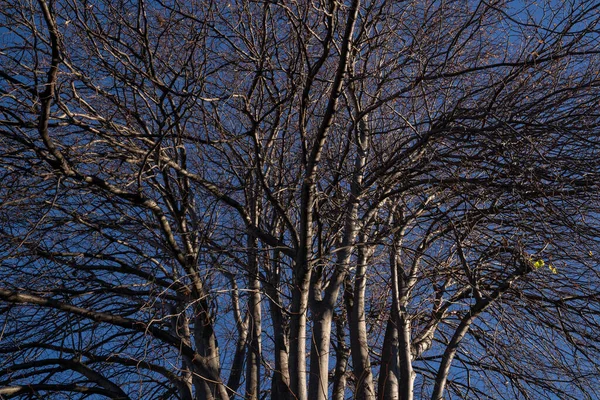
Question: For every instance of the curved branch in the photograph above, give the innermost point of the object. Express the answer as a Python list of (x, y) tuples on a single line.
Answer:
[(199, 361)]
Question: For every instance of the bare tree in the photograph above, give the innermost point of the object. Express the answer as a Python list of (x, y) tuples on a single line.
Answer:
[(294, 199)]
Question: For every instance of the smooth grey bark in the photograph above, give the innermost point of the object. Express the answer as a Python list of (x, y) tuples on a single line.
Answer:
[(233, 383), (179, 323), (397, 381), (235, 376), (400, 289), (300, 292), (322, 308), (407, 374), (342, 354), (299, 307), (206, 346), (355, 305), (253, 355), (388, 384), (280, 383), (319, 354)]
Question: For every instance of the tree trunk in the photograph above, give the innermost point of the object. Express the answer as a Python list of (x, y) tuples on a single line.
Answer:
[(407, 375), (253, 355), (297, 358), (300, 293), (319, 353), (341, 356), (388, 385), (365, 388), (280, 383), (206, 346), (181, 328), (463, 328)]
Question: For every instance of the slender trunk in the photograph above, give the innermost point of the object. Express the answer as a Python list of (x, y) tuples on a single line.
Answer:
[(365, 387), (462, 329), (180, 326), (322, 310), (300, 293), (396, 379), (402, 281), (448, 357), (253, 354), (297, 358), (237, 366), (280, 383), (319, 353), (342, 354), (302, 276), (388, 385), (206, 346), (396, 365), (407, 375)]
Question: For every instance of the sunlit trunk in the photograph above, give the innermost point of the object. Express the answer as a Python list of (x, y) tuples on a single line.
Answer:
[(253, 355), (365, 388), (297, 358), (342, 354), (180, 326), (280, 383), (407, 375), (388, 385), (319, 354), (206, 347)]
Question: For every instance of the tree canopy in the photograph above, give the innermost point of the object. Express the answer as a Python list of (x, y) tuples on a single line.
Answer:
[(292, 199)]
